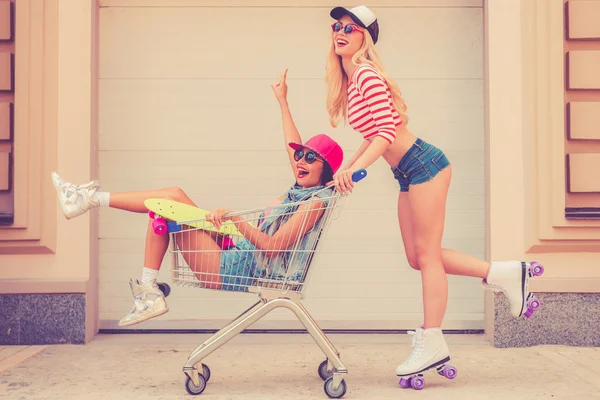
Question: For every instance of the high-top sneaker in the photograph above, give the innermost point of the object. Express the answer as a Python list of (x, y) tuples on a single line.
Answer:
[(148, 302), (512, 279), (75, 200)]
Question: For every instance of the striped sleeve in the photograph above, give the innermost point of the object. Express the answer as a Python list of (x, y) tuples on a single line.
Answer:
[(373, 89)]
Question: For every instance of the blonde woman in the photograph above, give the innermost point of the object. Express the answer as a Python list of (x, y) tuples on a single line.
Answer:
[(361, 93)]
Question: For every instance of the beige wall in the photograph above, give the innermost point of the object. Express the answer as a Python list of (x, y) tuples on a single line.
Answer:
[(55, 129), (525, 118)]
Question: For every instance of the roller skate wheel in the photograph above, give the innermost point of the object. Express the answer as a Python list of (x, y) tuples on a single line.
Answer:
[(533, 304), (404, 383), (528, 313), (449, 372), (159, 226), (537, 269), (166, 290), (417, 383)]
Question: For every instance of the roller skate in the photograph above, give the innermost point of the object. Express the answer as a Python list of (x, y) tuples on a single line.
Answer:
[(512, 279), (429, 351)]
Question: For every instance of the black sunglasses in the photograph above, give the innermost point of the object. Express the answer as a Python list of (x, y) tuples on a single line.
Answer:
[(348, 29), (309, 156)]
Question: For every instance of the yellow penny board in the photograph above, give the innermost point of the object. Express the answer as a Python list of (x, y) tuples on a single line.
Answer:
[(180, 212)]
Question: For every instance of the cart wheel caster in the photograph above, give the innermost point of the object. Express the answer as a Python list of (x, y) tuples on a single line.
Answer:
[(193, 389), (334, 394), (206, 372), (165, 288), (323, 373)]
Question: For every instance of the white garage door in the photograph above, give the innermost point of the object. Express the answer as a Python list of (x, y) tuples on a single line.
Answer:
[(185, 101)]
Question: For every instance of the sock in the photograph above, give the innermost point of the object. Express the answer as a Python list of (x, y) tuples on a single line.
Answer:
[(103, 198), (149, 274)]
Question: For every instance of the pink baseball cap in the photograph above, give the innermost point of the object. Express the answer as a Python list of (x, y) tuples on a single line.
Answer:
[(326, 147)]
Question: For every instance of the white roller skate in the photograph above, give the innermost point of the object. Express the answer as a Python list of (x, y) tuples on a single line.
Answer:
[(429, 351), (148, 302), (512, 279)]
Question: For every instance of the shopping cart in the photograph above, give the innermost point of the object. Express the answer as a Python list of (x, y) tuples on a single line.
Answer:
[(277, 274)]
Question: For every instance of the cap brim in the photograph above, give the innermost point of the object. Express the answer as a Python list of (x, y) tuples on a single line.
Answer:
[(339, 12), (295, 145)]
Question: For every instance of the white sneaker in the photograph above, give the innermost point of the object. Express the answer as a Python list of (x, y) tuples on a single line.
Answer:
[(512, 279), (148, 302), (75, 200), (429, 351)]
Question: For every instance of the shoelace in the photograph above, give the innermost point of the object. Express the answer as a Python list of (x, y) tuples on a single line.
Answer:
[(73, 192), (494, 288), (418, 348)]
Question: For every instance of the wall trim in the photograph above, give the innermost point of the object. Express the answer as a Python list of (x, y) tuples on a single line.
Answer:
[(35, 130), (41, 286)]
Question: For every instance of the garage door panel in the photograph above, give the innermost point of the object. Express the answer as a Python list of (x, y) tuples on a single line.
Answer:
[(229, 307), (330, 267), (206, 114), (297, 37), (131, 170), (233, 180), (380, 224)]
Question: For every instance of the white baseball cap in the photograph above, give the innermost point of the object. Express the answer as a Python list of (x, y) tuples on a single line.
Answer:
[(362, 16)]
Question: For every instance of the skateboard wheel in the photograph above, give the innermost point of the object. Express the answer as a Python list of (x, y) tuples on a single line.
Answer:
[(449, 372), (404, 383), (533, 304), (165, 288), (151, 214), (159, 226), (227, 243), (537, 269), (417, 383)]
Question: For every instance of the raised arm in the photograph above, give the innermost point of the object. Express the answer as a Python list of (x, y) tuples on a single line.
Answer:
[(290, 132)]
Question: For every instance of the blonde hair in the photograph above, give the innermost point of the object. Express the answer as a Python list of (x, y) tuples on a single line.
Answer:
[(337, 81)]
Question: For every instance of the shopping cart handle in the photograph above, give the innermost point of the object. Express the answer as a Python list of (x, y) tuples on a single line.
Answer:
[(359, 175)]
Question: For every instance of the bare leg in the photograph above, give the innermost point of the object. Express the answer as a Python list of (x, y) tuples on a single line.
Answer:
[(455, 263), (134, 201), (428, 210), (203, 255)]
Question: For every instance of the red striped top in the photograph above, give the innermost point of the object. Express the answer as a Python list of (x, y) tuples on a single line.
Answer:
[(370, 108)]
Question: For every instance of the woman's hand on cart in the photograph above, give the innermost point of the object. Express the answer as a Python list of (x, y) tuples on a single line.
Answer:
[(344, 180), (218, 216)]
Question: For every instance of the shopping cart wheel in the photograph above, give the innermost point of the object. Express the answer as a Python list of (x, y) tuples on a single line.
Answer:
[(165, 288), (323, 373), (334, 394), (193, 389), (206, 372)]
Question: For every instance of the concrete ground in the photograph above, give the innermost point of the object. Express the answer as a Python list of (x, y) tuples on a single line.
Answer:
[(273, 366)]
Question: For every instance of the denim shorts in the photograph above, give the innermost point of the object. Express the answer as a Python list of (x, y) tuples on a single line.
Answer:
[(237, 267), (421, 163)]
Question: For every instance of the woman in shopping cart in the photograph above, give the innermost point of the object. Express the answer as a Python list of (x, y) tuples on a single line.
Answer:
[(287, 222), (362, 93)]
